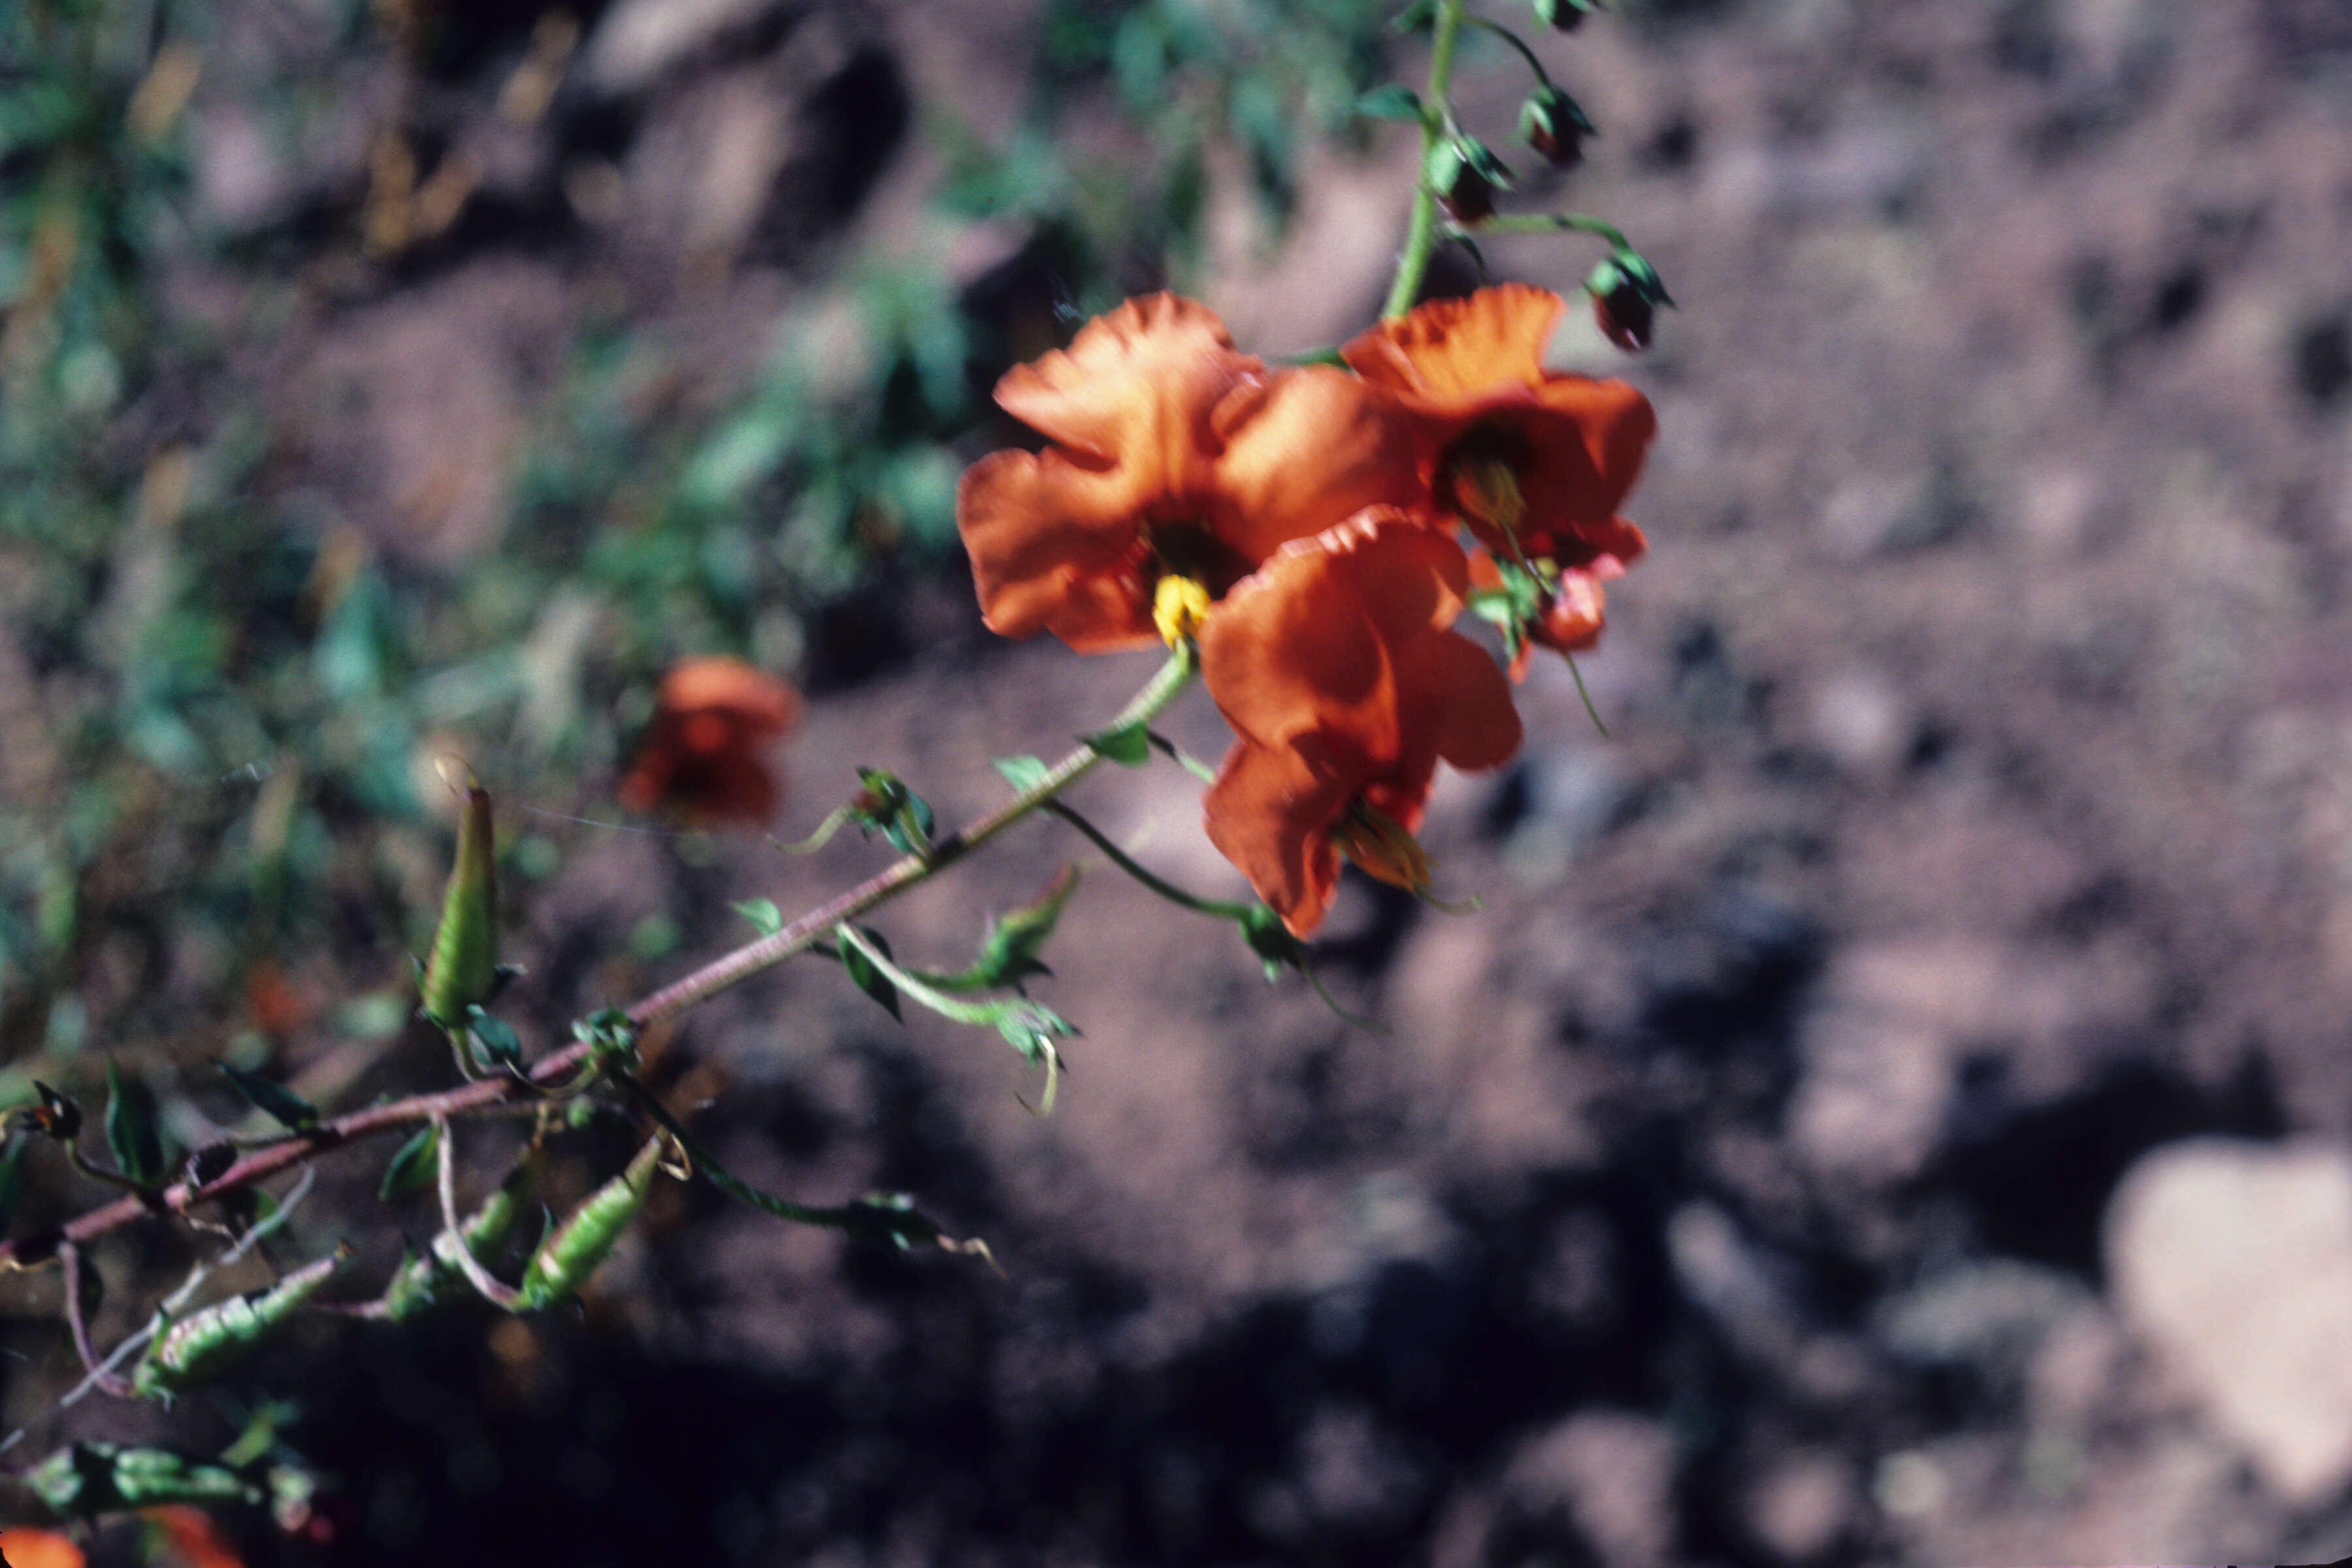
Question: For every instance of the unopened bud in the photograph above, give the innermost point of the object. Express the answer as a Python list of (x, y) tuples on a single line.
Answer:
[(198, 1348), (1555, 125), (1626, 293), (1464, 173)]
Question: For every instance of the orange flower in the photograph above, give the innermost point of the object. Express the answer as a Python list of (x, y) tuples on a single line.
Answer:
[(1533, 462), (1568, 618), (705, 753), (1335, 667), (1174, 457), (23, 1547), (195, 1540)]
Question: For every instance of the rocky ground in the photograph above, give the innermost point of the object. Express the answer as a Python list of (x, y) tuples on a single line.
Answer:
[(1894, 1103)]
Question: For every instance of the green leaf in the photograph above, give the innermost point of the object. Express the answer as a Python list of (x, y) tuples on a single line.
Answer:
[(12, 1184), (1129, 745), (131, 1128), (1024, 773), (495, 1035), (1393, 101), (283, 1105), (1008, 954), (413, 1164), (863, 975), (765, 918), (1416, 17)]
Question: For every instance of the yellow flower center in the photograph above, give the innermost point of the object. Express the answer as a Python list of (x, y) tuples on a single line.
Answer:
[(1380, 846), (1178, 608)]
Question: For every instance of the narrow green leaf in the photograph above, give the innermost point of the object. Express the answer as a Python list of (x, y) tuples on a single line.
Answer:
[(1024, 773), (1008, 954), (1393, 101), (412, 1165), (1419, 16), (131, 1128), (283, 1105), (1129, 745), (863, 975), (765, 918), (495, 1035), (12, 1184)]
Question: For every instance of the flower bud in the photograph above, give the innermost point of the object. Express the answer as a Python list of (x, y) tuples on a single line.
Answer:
[(462, 968), (1626, 293), (1562, 16), (1466, 174), (1555, 125)]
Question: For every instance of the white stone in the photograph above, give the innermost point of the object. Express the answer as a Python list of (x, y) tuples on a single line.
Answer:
[(2234, 1261)]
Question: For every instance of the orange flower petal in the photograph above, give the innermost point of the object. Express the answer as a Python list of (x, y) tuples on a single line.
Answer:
[(196, 1541), (1135, 386), (1586, 442), (1270, 813), (1321, 638), (1175, 454), (23, 1547), (1309, 450), (1335, 666), (1449, 356), (1055, 547)]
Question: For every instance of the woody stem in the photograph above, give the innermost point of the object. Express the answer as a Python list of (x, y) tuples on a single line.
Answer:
[(1420, 238), (491, 1094), (771, 950)]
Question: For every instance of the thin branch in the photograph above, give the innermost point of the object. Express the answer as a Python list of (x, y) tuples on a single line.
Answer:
[(498, 1093), (70, 1257), (201, 1271), (504, 1296)]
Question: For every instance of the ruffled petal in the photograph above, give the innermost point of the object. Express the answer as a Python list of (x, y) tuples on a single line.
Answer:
[(1460, 698), (1450, 355), (1053, 543), (1586, 443), (1308, 449), (1270, 813), (1135, 386)]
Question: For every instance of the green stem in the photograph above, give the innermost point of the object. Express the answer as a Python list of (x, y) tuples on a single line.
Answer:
[(1421, 238), (1515, 42), (1543, 223), (938, 1001), (770, 951), (1219, 908)]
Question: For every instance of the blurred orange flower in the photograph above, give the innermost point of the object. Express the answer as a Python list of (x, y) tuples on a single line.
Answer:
[(1570, 617), (1535, 463), (23, 1547), (1336, 669), (705, 752), (1174, 456), (195, 1540)]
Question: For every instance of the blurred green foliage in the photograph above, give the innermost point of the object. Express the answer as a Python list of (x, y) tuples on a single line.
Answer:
[(217, 710)]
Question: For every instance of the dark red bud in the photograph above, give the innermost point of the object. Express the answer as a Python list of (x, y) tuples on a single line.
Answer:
[(1626, 317)]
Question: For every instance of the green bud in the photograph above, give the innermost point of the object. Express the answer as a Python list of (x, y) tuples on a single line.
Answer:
[(1626, 292), (1465, 174), (96, 1478), (1555, 125), (199, 1348), (464, 969), (569, 1255), (417, 1284), (1562, 16)]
